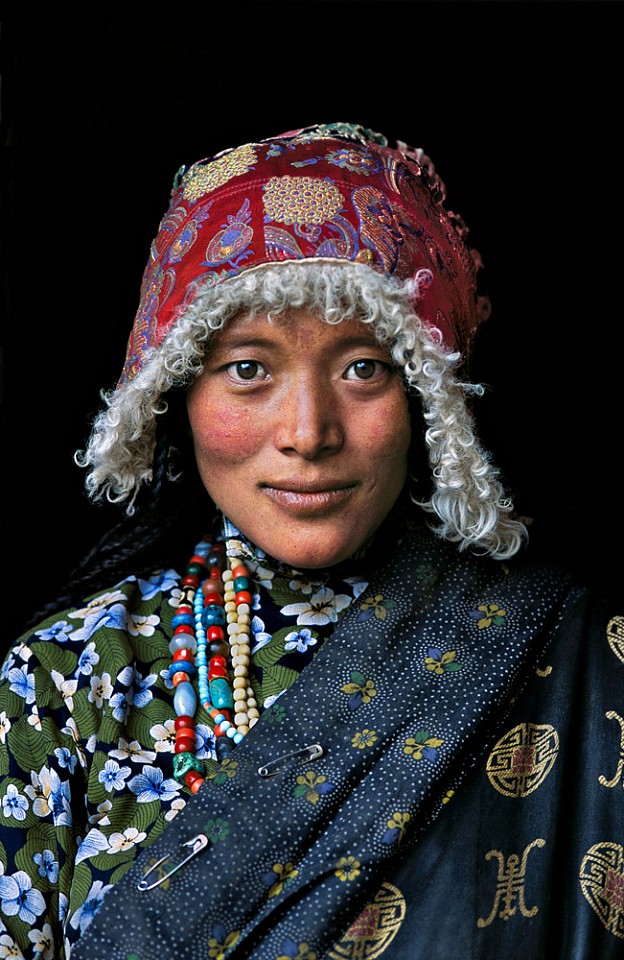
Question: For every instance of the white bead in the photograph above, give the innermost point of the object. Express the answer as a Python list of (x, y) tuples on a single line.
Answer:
[(240, 671), (252, 713), (244, 608), (227, 576), (239, 696), (239, 683), (230, 605)]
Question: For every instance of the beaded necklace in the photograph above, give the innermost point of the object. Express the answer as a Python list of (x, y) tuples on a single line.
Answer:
[(211, 639)]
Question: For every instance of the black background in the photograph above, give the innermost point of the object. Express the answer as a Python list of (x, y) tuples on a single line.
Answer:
[(519, 106)]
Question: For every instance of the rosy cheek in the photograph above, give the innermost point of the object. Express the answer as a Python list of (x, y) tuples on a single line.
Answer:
[(223, 436)]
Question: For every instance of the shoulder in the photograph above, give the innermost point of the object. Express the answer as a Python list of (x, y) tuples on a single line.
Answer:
[(128, 607)]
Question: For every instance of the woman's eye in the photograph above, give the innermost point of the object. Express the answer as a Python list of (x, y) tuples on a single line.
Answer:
[(364, 369), (246, 370)]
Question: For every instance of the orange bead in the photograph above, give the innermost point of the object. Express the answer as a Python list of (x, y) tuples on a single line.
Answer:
[(243, 596)]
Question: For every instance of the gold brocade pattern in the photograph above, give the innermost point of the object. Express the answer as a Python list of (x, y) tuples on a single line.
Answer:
[(602, 881), (204, 179), (616, 779), (615, 636), (376, 927), (522, 759), (293, 200), (509, 897)]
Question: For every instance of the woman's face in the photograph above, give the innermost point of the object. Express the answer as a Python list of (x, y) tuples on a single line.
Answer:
[(301, 434)]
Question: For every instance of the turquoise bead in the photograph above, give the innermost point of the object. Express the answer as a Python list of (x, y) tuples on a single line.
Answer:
[(241, 583), (185, 699), (220, 694), (213, 616)]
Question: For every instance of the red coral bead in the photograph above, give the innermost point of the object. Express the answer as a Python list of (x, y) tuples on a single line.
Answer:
[(183, 721)]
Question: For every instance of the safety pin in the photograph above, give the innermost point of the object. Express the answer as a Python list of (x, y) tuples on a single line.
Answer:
[(197, 843), (311, 752)]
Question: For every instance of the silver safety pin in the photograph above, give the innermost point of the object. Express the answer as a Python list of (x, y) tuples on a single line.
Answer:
[(197, 843), (311, 752)]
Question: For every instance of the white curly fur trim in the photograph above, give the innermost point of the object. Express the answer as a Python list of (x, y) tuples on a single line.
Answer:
[(468, 500)]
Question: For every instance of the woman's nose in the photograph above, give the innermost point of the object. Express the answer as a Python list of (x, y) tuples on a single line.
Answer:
[(309, 420)]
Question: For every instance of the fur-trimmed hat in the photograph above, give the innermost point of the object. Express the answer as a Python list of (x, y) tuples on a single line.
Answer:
[(333, 218)]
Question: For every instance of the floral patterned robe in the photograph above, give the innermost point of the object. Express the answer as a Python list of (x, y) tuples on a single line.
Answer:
[(466, 799)]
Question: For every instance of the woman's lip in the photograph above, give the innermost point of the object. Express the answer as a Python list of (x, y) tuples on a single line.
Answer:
[(303, 499)]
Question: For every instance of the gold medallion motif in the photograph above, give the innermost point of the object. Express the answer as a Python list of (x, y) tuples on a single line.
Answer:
[(204, 178), (294, 200), (374, 929), (602, 882), (615, 636), (522, 759)]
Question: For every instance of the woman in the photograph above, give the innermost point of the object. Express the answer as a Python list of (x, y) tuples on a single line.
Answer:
[(352, 694)]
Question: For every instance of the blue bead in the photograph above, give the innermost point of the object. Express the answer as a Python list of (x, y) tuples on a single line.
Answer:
[(185, 699), (213, 615), (241, 583), (181, 665), (181, 618)]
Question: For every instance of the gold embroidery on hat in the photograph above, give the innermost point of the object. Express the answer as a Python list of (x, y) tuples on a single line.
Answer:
[(615, 636), (204, 178), (510, 879), (602, 881), (375, 928), (294, 200), (617, 777), (522, 759)]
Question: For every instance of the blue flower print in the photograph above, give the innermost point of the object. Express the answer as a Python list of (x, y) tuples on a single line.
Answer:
[(204, 742), (59, 631), (120, 705), (160, 582), (113, 776), (113, 617), (87, 661), (66, 758), (86, 912), (22, 683), (91, 845), (299, 640), (150, 785), (140, 694), (48, 866), (261, 637), (14, 804), (20, 898), (7, 666)]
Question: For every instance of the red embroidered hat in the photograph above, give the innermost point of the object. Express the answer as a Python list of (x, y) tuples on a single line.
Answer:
[(331, 192)]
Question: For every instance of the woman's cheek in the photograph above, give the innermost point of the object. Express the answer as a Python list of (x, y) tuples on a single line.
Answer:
[(224, 437)]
